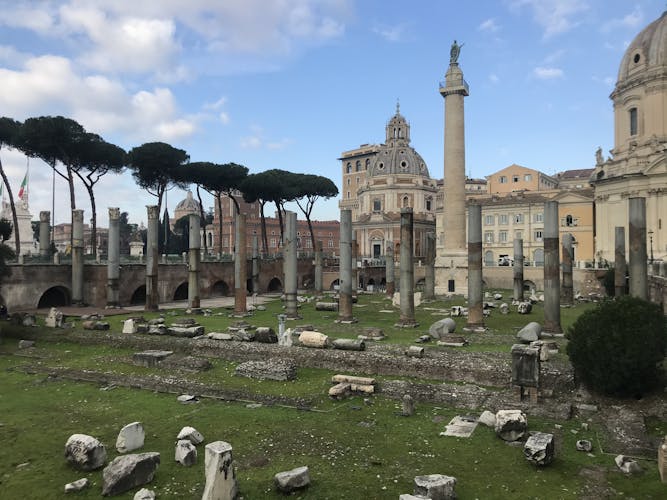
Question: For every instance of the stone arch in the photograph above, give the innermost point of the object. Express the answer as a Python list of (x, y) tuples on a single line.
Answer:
[(56, 296), (181, 292), (371, 281), (488, 258), (335, 283), (219, 289), (139, 296), (538, 257), (275, 285)]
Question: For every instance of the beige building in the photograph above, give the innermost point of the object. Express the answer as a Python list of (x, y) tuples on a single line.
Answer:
[(379, 180), (638, 163), (518, 178)]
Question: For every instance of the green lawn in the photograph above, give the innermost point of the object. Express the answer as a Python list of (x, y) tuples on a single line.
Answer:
[(354, 449)]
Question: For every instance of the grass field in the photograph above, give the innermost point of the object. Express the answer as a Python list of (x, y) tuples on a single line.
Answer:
[(355, 449)]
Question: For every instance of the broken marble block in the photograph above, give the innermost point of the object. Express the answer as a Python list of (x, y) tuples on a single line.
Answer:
[(627, 465), (267, 370), (77, 485), (220, 472), (191, 434), (186, 453), (129, 471), (435, 486), (529, 333), (131, 437), (442, 327), (292, 480), (539, 449), (510, 424), (150, 358), (85, 452), (144, 494)]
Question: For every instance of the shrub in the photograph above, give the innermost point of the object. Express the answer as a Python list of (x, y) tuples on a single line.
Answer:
[(618, 348)]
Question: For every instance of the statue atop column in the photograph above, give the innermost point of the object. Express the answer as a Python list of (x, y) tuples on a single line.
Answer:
[(454, 52)]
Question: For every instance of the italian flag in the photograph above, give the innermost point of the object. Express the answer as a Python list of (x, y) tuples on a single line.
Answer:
[(24, 184)]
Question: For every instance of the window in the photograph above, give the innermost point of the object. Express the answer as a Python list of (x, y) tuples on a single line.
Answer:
[(272, 242), (273, 233), (502, 236), (488, 237), (569, 221), (528, 177), (503, 219), (518, 219), (309, 243), (406, 202), (368, 163), (350, 180), (330, 244), (538, 235), (538, 217), (348, 194), (377, 205), (515, 178), (428, 204), (348, 168), (488, 220), (633, 121), (358, 166), (503, 179)]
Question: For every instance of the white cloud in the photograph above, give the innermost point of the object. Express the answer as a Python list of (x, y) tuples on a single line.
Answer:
[(251, 142), (49, 85), (256, 140), (633, 20), (545, 73), (488, 25), (224, 117), (217, 104), (394, 33), (39, 18), (493, 78), (555, 16)]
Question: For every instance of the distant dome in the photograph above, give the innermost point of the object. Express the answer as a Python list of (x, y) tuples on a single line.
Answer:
[(188, 205), (396, 156), (646, 55)]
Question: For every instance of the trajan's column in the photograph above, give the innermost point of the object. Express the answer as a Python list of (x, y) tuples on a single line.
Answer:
[(451, 266)]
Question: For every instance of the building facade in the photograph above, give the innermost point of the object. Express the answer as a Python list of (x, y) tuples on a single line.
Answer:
[(379, 180), (637, 166)]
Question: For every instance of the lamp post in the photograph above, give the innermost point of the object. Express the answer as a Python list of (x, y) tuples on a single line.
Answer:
[(650, 239)]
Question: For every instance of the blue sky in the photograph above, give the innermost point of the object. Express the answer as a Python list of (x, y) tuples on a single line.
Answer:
[(291, 84)]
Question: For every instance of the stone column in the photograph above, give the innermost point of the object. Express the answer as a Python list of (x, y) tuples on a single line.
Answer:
[(518, 270), (44, 233), (255, 264), (568, 258), (355, 269), (290, 265), (452, 258), (620, 264), (113, 262), (318, 267), (475, 295), (429, 277), (77, 256), (637, 235), (194, 259), (389, 269), (407, 272), (346, 276), (551, 269), (240, 266), (220, 472), (151, 258)]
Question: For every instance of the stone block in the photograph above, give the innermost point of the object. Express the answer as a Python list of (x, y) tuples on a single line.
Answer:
[(414, 351), (292, 480), (627, 465), (442, 327), (266, 335), (185, 453), (129, 471), (131, 437), (185, 331), (191, 434), (529, 333), (510, 424), (314, 339), (85, 452), (26, 344), (220, 472), (525, 366), (539, 449), (144, 494), (435, 486), (130, 326), (150, 358), (78, 485), (349, 344), (267, 370)]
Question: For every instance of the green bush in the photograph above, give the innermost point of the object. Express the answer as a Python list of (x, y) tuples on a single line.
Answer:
[(618, 348)]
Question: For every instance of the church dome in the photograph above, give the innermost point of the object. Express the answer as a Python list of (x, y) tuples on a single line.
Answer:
[(646, 55), (187, 206), (396, 156)]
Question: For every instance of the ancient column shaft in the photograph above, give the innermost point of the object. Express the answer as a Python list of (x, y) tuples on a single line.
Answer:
[(151, 258), (240, 266), (518, 270), (637, 236), (407, 272), (194, 260), (113, 258), (290, 263), (44, 233), (345, 279), (551, 269), (620, 264), (77, 256), (389, 269), (255, 264), (429, 271), (475, 296), (567, 293)]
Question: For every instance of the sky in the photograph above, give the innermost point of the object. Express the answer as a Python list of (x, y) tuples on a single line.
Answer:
[(291, 84)]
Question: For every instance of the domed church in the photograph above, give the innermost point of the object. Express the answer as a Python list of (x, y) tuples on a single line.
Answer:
[(638, 163), (379, 180)]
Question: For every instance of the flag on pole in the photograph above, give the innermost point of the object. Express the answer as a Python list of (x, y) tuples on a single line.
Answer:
[(23, 187)]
